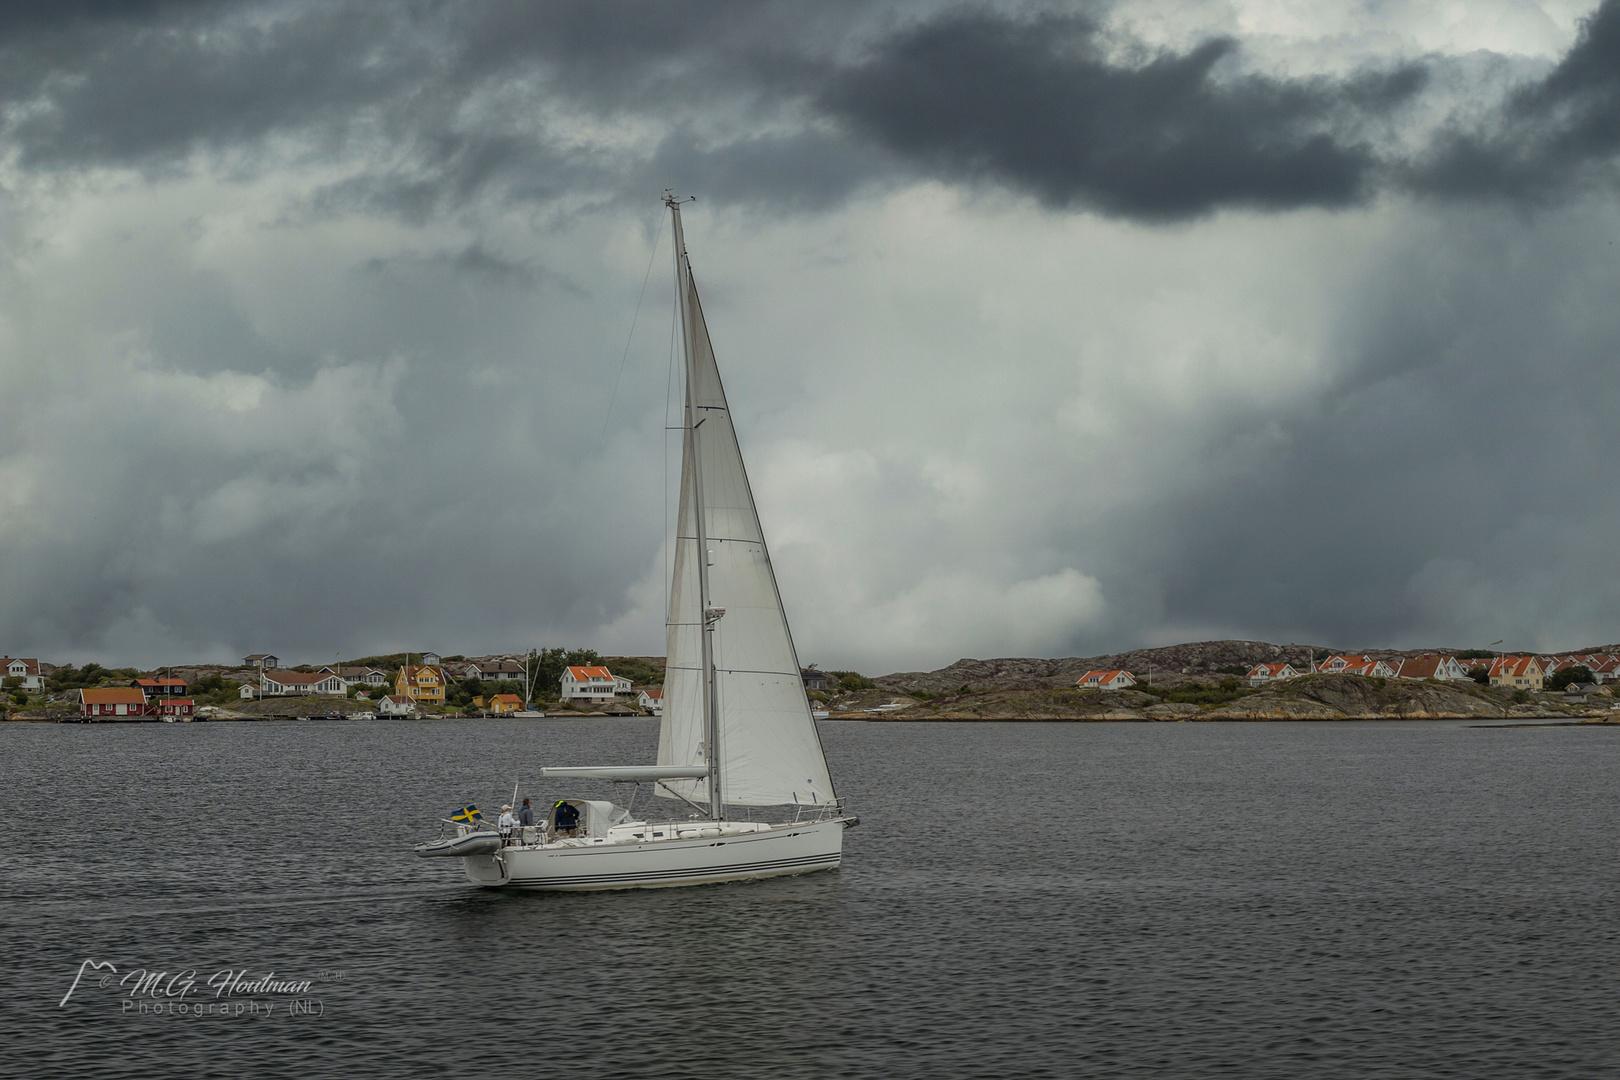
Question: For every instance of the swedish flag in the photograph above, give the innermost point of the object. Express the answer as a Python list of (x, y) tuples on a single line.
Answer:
[(469, 814)]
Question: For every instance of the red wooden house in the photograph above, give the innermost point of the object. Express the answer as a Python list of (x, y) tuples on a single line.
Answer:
[(113, 701)]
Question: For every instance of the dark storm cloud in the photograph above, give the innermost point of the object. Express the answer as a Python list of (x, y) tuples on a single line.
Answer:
[(1550, 135), (1039, 107), (1451, 482), (1452, 477), (766, 103), (446, 97)]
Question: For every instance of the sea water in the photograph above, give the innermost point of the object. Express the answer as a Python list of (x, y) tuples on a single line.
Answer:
[(1402, 899)]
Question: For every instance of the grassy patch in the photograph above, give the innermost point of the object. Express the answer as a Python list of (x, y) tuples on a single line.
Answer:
[(1200, 693)]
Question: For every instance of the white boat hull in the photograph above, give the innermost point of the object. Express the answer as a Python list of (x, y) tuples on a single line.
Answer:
[(781, 850)]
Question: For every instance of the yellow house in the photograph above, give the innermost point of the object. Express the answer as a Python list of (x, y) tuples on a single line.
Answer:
[(1516, 672), (424, 683), (505, 703)]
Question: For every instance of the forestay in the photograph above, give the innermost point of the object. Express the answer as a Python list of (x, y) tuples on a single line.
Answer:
[(769, 751)]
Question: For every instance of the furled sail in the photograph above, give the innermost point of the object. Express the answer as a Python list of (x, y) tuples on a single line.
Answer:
[(769, 752)]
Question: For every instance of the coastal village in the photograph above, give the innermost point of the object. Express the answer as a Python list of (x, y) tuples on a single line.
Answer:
[(1569, 673), (1208, 680), (412, 685)]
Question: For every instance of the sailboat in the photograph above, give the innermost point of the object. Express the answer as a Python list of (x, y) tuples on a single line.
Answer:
[(737, 742)]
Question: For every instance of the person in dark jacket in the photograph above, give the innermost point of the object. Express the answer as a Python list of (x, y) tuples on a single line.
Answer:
[(567, 819), (526, 815)]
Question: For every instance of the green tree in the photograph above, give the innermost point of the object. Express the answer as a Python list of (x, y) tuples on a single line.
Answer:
[(1578, 673), (1481, 675), (211, 683), (639, 672), (70, 678), (550, 664), (462, 693), (11, 682)]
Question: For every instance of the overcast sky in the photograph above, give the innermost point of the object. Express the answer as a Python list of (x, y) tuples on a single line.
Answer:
[(1049, 329)]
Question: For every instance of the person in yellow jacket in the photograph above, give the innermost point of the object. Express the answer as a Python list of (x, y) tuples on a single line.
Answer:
[(566, 816)]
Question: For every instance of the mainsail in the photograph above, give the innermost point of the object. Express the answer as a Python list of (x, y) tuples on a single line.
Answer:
[(769, 752)]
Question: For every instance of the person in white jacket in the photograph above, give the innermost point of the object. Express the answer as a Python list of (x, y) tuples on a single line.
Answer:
[(508, 822)]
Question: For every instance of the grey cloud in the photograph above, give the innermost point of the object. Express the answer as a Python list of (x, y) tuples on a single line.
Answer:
[(1549, 136), (476, 260), (453, 89), (1037, 106), (433, 484), (148, 93), (1451, 482), (789, 106)]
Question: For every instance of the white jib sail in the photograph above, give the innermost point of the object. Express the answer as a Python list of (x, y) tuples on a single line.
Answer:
[(769, 751)]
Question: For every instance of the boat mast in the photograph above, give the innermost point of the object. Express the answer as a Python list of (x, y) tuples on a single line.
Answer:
[(711, 711)]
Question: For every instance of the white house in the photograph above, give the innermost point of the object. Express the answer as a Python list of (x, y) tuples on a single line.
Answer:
[(651, 700), (1106, 680), (396, 705), (1261, 674), (25, 669), (1354, 664), (302, 682), (592, 683), (248, 691), (493, 670), (1445, 668), (364, 676)]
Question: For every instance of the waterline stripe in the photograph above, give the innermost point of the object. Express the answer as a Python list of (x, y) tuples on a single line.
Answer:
[(663, 875)]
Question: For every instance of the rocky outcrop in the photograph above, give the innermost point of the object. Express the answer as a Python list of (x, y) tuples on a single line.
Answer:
[(1024, 673), (1313, 697), (1353, 697), (1274, 707), (1171, 665), (1171, 710), (1020, 705)]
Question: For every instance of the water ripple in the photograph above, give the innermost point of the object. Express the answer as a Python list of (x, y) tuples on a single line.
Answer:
[(1040, 900)]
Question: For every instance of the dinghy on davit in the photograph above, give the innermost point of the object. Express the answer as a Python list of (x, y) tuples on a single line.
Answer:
[(467, 841), (736, 731)]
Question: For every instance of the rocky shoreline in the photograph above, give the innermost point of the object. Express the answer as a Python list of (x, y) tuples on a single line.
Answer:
[(1312, 697)]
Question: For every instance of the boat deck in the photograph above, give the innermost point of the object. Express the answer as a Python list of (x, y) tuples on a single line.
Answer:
[(636, 832)]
